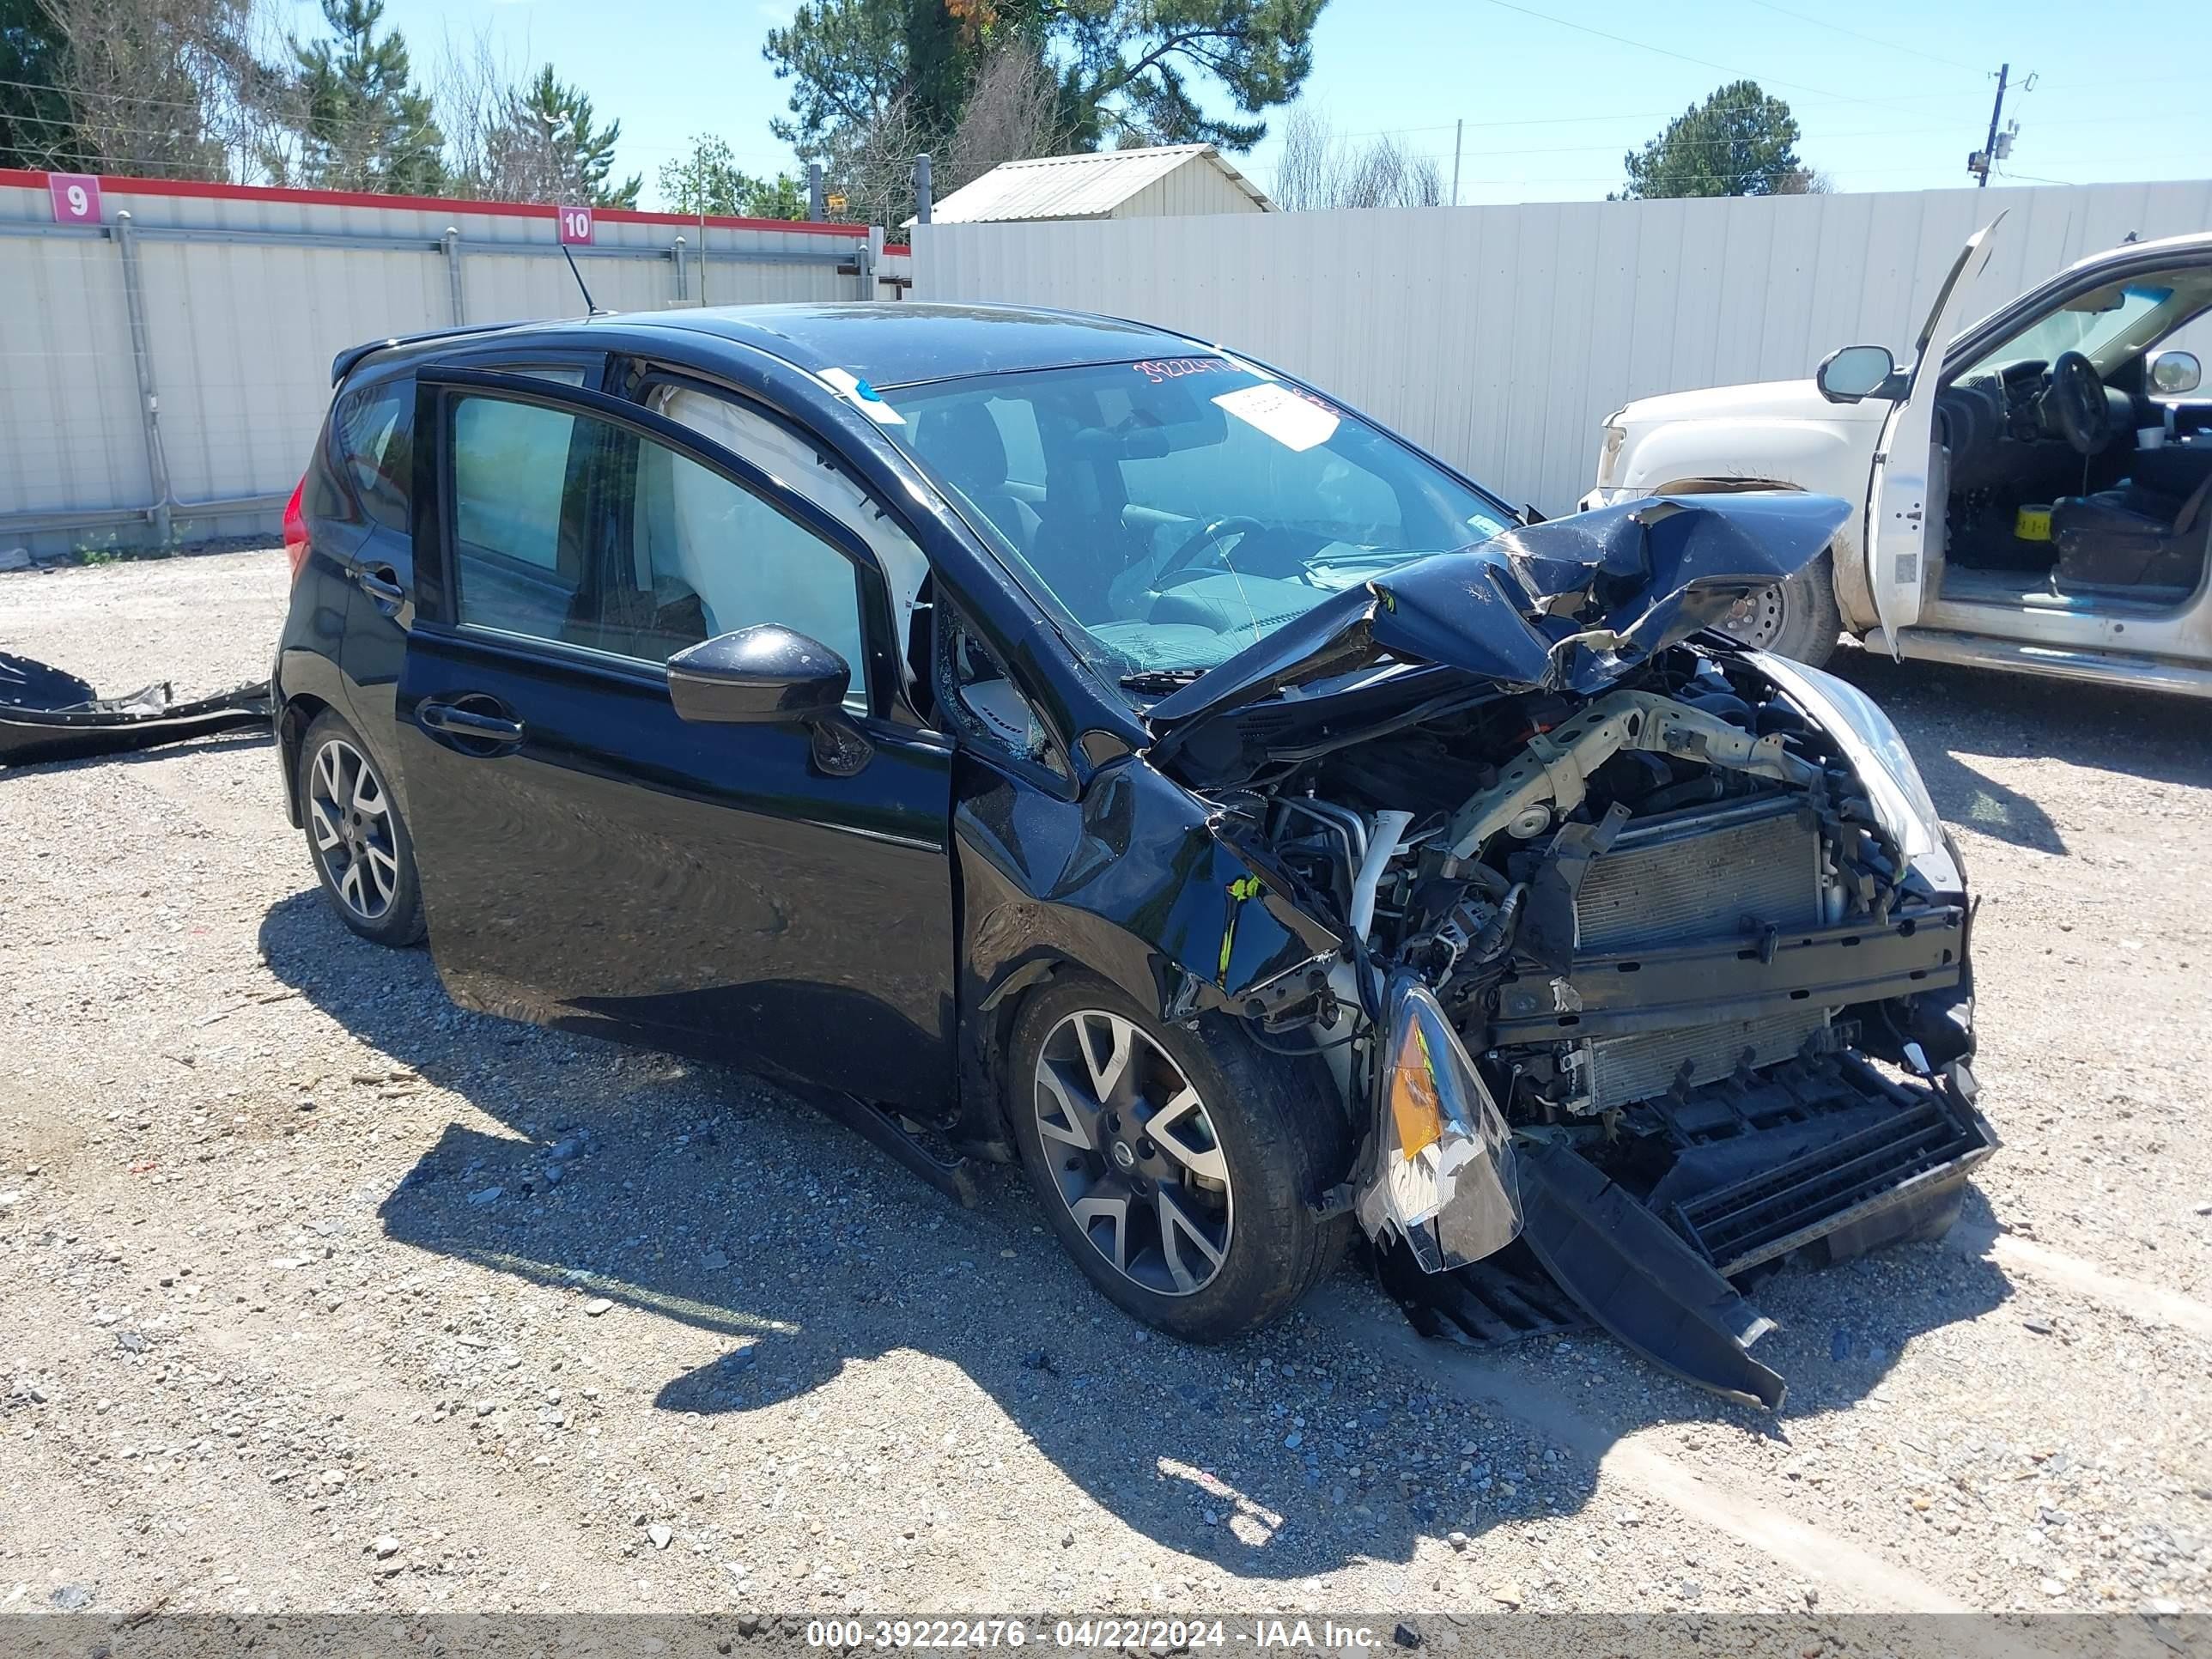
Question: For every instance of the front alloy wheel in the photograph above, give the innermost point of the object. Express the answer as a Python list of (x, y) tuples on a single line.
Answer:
[(1183, 1166), (1134, 1154)]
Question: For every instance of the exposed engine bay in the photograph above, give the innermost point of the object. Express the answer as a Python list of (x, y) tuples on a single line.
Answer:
[(1707, 985)]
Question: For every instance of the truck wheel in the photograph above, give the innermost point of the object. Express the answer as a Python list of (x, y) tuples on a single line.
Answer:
[(1179, 1169), (1797, 618)]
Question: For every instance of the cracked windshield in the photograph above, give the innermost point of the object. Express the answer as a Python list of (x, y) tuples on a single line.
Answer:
[(1177, 510)]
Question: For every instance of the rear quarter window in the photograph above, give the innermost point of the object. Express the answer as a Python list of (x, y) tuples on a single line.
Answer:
[(372, 452)]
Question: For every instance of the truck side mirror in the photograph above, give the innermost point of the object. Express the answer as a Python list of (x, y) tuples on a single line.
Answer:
[(2173, 373), (1853, 372)]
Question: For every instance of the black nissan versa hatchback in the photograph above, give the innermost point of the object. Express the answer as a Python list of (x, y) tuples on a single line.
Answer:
[(1040, 737)]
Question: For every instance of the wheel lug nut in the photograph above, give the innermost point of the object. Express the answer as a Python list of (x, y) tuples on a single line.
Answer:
[(1145, 1149)]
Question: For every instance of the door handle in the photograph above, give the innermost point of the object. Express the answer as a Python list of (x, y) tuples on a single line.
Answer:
[(468, 723), (380, 582)]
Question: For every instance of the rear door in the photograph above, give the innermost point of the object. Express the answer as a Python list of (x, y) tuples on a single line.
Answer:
[(373, 432), (1904, 490), (590, 860)]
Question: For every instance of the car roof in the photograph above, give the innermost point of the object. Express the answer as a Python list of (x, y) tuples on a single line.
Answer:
[(886, 344)]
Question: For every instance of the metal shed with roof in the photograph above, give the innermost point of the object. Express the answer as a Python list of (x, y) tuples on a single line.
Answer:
[(1168, 180)]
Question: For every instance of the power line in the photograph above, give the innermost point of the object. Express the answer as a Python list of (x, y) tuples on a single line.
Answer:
[(1685, 57), (1887, 45)]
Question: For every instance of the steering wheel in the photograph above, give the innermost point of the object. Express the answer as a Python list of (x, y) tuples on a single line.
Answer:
[(1206, 537), (2076, 403)]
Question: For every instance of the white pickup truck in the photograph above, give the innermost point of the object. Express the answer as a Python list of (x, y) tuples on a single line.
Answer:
[(2032, 495)]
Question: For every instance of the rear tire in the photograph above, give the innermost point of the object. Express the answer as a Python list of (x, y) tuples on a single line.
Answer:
[(356, 839), (1797, 618), (1204, 1227)]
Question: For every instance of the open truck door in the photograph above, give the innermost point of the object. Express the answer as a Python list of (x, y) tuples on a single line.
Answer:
[(1906, 489)]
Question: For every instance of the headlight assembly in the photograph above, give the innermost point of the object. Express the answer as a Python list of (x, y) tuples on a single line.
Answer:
[(1443, 1179), (1608, 453), (1876, 750)]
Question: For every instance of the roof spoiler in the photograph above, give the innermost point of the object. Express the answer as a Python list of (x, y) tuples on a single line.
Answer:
[(348, 360)]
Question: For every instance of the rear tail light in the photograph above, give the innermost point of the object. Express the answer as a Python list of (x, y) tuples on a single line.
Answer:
[(295, 529)]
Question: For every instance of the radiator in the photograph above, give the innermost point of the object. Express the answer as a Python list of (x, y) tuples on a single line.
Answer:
[(1708, 873), (1627, 1069)]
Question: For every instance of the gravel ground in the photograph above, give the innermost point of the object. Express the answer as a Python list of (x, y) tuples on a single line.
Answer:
[(322, 1294)]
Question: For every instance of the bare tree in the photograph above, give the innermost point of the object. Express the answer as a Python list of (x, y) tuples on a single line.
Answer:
[(1013, 115), (871, 166), (1303, 173), (1319, 170), (469, 90), (1804, 181), (169, 88)]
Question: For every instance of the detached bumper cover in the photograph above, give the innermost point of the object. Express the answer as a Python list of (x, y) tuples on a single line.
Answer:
[(1855, 1161), (47, 714)]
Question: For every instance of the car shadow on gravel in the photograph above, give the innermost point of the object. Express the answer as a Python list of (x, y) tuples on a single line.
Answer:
[(705, 1198), (1946, 711)]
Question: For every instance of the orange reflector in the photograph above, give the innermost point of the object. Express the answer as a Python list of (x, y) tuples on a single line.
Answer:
[(1414, 1107)]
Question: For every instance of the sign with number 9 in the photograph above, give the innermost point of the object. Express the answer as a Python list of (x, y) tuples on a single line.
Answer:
[(75, 198)]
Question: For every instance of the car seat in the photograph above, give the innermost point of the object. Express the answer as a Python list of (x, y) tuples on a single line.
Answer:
[(961, 442), (2129, 538)]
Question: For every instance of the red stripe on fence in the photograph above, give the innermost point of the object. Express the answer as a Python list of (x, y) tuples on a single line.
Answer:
[(198, 189)]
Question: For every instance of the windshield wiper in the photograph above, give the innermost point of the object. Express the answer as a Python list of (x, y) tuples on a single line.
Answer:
[(1158, 682)]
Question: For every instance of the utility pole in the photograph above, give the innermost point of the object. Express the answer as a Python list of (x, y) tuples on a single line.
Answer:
[(1459, 131), (1979, 163), (699, 179)]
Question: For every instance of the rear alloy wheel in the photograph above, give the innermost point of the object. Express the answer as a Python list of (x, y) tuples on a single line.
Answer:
[(1797, 618), (1179, 1167), (354, 832)]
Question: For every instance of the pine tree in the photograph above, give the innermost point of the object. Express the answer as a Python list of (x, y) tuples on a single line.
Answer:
[(544, 148), (364, 125), (1738, 143)]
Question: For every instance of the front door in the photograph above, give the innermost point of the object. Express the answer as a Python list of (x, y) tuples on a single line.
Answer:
[(1904, 490), (592, 861)]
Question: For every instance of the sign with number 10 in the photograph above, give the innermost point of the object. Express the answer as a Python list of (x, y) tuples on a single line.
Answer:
[(576, 224), (76, 197)]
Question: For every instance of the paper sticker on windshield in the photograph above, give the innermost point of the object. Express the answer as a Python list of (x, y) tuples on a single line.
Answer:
[(862, 396), (1293, 422)]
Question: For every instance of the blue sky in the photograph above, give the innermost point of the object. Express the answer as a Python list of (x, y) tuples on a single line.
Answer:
[(1891, 95)]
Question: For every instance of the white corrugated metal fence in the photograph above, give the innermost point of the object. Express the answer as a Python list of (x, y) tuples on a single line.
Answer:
[(1501, 336), (244, 297)]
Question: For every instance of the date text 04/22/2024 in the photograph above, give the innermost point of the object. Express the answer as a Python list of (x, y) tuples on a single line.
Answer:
[(1109, 1634)]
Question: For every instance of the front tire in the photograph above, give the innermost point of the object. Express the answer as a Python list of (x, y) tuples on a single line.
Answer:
[(1179, 1169), (356, 838), (1797, 618)]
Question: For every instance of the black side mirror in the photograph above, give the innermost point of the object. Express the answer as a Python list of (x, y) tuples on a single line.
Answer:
[(771, 675), (763, 676)]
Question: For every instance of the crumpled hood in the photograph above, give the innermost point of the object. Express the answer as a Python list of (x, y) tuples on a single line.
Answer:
[(1570, 605)]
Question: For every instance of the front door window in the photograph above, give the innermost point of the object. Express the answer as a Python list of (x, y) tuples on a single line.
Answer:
[(572, 529)]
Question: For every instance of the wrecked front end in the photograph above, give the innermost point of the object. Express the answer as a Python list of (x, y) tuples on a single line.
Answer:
[(1652, 962)]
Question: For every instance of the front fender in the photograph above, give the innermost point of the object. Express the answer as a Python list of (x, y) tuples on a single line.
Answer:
[(1133, 882)]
